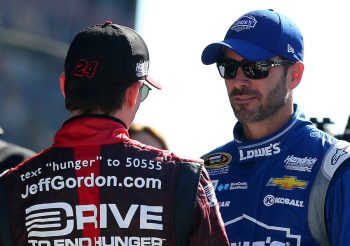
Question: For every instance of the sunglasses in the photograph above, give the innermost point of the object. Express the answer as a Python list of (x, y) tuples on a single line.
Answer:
[(251, 69), (144, 90)]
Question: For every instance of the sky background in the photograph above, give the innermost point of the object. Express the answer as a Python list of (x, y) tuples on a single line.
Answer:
[(192, 111)]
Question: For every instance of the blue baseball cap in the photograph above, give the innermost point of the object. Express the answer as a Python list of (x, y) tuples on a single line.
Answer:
[(259, 35)]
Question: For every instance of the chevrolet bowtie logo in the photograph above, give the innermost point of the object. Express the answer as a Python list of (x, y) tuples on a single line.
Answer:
[(287, 183)]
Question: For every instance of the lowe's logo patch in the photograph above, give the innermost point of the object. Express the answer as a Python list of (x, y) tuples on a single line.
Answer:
[(269, 150), (245, 22)]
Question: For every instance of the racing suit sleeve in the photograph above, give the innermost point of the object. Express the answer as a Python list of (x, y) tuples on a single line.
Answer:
[(209, 229), (337, 206)]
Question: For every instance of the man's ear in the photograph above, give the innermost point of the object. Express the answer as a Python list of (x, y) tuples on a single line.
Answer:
[(132, 94), (296, 75), (62, 83)]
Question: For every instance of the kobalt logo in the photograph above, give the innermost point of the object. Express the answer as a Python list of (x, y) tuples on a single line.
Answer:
[(272, 149), (270, 200), (44, 220)]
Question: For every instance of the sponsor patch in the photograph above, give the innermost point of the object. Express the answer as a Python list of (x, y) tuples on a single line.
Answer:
[(245, 22), (217, 163), (303, 164), (239, 185), (269, 150), (270, 200), (217, 160), (287, 183)]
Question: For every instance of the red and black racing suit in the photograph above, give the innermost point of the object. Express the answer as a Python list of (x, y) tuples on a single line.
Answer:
[(95, 186)]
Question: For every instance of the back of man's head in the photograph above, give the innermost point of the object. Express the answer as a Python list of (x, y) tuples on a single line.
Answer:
[(103, 60)]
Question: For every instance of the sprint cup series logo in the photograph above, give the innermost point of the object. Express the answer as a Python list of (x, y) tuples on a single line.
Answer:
[(218, 163), (45, 220)]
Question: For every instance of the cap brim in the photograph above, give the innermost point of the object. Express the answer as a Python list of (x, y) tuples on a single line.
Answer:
[(213, 52), (153, 83)]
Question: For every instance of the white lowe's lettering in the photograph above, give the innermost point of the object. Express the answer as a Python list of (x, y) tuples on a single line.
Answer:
[(272, 149)]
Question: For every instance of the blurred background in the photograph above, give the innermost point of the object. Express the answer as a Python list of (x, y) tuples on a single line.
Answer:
[(192, 111)]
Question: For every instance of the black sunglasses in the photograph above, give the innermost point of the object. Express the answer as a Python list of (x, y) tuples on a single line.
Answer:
[(144, 90), (252, 69)]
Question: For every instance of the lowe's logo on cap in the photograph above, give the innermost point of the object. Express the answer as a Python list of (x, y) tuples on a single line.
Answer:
[(142, 69), (245, 22)]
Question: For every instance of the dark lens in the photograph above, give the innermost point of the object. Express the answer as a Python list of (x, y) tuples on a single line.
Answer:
[(227, 69), (257, 70)]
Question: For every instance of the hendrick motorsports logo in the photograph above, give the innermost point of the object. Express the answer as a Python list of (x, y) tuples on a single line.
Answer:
[(299, 164), (268, 233)]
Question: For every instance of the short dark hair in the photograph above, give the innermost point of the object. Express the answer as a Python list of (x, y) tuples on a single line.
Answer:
[(89, 96)]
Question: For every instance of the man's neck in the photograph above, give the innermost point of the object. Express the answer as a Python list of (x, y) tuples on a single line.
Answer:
[(264, 128)]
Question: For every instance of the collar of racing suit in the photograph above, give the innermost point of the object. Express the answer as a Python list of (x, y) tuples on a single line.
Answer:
[(91, 128)]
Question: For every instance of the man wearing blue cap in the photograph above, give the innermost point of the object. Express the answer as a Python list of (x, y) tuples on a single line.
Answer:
[(280, 181)]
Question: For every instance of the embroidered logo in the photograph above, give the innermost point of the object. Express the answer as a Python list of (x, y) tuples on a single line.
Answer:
[(85, 68), (245, 22), (217, 160), (299, 164), (287, 183), (290, 49), (270, 200), (142, 69), (269, 150), (338, 154)]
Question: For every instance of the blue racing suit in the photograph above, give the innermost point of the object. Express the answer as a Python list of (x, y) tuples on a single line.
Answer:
[(289, 188)]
